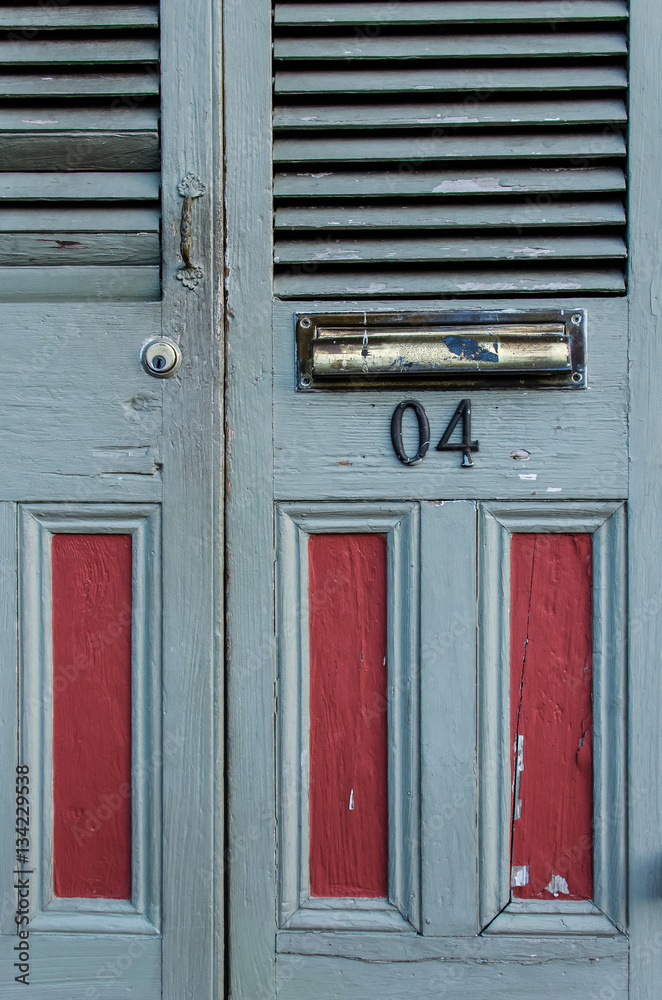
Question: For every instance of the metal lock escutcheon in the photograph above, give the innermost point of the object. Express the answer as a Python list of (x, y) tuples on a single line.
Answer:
[(160, 357)]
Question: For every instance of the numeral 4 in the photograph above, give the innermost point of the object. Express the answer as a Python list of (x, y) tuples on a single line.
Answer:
[(466, 445)]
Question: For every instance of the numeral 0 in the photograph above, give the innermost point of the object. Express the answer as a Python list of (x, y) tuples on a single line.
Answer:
[(466, 445), (423, 432)]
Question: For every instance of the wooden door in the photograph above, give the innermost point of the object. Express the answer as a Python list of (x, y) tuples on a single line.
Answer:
[(109, 529), (437, 729)]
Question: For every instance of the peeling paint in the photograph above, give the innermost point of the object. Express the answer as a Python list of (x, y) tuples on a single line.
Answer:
[(467, 185), (519, 875), (351, 799), (554, 489), (528, 475), (520, 455), (557, 884)]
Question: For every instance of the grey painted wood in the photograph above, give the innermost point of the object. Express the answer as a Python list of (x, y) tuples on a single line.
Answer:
[(412, 947), (41, 218), (429, 12), (448, 113), (79, 283), (69, 248), (451, 46), (356, 251), (8, 703), (295, 282), (585, 145), (105, 117), (301, 977), (108, 84), (99, 151), (72, 186), (93, 430), (448, 719), (495, 180), (26, 52), (249, 517), (415, 81), (108, 967), (193, 797), (645, 599), (135, 15), (485, 214)]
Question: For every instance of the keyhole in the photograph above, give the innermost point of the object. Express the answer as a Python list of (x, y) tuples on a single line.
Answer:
[(158, 362)]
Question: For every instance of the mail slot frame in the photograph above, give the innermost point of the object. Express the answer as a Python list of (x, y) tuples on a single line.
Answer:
[(462, 323)]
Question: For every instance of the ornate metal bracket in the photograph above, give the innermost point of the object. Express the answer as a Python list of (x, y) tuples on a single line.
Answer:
[(190, 187)]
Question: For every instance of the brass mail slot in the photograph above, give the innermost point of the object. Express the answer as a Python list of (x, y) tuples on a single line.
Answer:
[(360, 350)]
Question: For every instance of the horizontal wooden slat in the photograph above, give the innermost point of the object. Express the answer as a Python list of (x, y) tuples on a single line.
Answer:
[(80, 151), (75, 186), (105, 118), (416, 81), (79, 248), (80, 218), (483, 214), (61, 17), (56, 52), (449, 11), (81, 85), (451, 46), (79, 284), (367, 284), (449, 114), (451, 147), (328, 184), (448, 249)]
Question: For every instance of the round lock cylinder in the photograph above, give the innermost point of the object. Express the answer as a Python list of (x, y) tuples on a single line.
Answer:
[(160, 358)]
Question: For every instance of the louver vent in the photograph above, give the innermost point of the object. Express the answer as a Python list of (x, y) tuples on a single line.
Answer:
[(448, 148), (79, 152)]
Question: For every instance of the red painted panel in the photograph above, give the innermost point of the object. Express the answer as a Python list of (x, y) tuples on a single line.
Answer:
[(348, 716), (92, 715), (551, 709)]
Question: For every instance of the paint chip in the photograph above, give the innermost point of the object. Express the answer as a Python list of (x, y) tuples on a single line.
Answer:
[(519, 875), (555, 489), (528, 475), (351, 799), (557, 884), (520, 455)]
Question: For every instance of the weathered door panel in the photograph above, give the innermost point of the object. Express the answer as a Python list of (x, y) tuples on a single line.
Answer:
[(110, 530), (502, 905)]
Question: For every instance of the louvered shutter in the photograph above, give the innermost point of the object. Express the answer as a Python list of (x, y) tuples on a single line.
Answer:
[(79, 152), (444, 148)]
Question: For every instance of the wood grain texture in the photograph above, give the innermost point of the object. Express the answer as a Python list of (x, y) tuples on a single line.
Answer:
[(249, 512), (97, 151), (494, 181), (193, 793), (551, 653), (348, 725), (449, 773), (328, 977), (427, 12), (91, 581), (135, 15), (8, 702), (644, 594)]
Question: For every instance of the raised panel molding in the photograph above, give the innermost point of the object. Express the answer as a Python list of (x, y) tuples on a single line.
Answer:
[(606, 914), (37, 525), (399, 522)]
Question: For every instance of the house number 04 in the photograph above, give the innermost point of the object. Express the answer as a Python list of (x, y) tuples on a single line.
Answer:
[(466, 445)]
